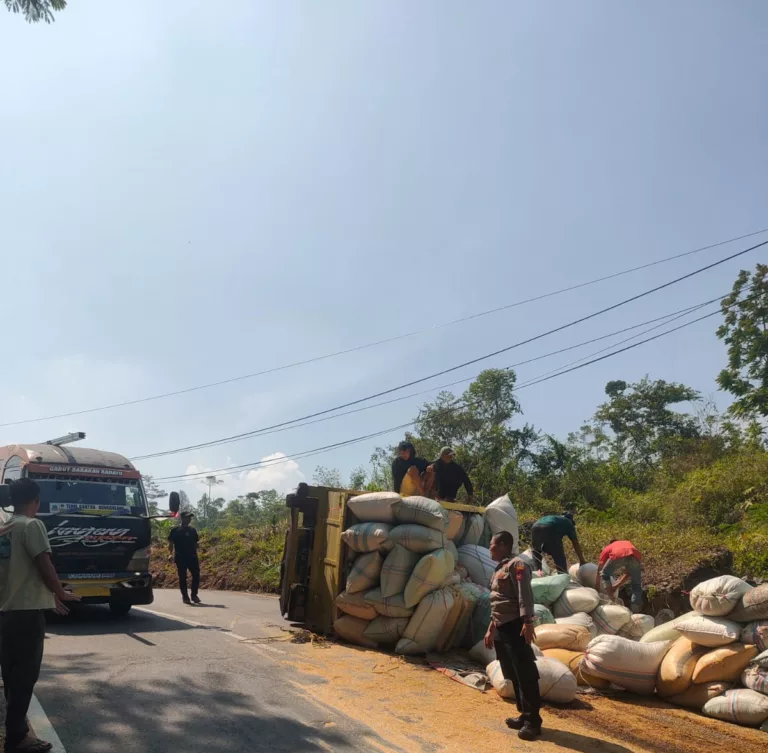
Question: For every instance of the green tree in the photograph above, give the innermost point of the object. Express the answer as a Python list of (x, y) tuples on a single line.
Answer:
[(478, 425), (36, 10), (327, 477), (266, 507), (745, 332), (381, 470), (154, 493), (640, 419), (358, 478), (208, 511)]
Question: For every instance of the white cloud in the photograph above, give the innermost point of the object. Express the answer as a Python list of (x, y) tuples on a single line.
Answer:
[(278, 473)]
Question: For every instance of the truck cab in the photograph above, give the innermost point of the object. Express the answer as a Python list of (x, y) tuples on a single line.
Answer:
[(95, 511)]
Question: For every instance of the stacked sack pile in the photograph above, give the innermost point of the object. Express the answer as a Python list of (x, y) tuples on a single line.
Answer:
[(718, 663), (419, 581), (581, 637)]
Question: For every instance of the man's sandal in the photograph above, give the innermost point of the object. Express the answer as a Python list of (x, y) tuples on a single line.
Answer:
[(31, 745)]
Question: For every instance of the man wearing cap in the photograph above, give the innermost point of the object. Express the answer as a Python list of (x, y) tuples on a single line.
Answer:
[(447, 477), (182, 548)]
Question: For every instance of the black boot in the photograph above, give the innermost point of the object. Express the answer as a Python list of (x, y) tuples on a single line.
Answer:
[(529, 732), (515, 722)]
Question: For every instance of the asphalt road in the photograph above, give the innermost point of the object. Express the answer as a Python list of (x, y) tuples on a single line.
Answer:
[(149, 682)]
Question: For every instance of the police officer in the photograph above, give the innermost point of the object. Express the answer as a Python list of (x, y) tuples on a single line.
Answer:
[(511, 633), (182, 548)]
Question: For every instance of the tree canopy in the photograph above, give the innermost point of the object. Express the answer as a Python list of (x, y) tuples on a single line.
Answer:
[(36, 10), (745, 332)]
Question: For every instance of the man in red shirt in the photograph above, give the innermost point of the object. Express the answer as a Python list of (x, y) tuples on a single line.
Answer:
[(621, 554)]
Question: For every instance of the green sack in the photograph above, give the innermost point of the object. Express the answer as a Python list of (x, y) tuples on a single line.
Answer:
[(548, 590), (479, 621), (543, 616)]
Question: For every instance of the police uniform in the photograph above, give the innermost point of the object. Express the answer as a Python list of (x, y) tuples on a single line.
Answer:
[(511, 607)]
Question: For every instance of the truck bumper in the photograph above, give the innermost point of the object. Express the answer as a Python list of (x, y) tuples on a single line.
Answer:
[(133, 589)]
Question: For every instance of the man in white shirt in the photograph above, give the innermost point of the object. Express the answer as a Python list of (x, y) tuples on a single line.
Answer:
[(28, 586)]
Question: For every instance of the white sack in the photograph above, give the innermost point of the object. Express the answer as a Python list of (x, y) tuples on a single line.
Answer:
[(397, 569), (502, 516), (709, 631), (478, 563), (424, 628), (574, 600), (430, 572), (374, 507), (365, 572), (717, 597), (368, 537), (421, 511), (417, 538), (628, 664), (740, 706)]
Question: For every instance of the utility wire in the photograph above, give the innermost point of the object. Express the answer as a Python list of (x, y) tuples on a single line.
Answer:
[(465, 363), (665, 319), (384, 341), (308, 453)]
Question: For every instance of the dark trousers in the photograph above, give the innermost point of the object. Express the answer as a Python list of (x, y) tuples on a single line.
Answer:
[(193, 566), (547, 541), (22, 637), (519, 665)]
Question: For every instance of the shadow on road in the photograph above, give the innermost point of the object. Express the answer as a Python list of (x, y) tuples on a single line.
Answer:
[(580, 743), (180, 713), (98, 620)]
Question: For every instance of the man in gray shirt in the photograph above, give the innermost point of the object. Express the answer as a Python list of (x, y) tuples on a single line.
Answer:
[(28, 586)]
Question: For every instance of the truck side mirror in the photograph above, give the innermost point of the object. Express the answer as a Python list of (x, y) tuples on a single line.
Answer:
[(174, 502), (5, 495)]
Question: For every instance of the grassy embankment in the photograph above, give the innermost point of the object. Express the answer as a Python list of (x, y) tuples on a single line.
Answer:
[(714, 520), (230, 559)]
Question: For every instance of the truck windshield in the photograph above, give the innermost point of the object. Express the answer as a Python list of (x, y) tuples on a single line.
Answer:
[(72, 496)]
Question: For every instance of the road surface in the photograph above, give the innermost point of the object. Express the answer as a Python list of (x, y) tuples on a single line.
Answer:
[(228, 677), (148, 683)]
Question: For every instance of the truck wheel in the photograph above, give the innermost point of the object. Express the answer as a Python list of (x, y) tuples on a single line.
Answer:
[(119, 609)]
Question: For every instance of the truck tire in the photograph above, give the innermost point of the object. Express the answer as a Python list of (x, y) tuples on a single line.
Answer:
[(119, 608)]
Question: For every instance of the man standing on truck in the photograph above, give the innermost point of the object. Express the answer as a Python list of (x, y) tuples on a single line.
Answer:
[(407, 470), (511, 633), (182, 547), (448, 477), (547, 537), (28, 586)]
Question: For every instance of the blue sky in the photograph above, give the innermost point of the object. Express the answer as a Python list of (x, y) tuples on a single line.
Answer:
[(191, 191)]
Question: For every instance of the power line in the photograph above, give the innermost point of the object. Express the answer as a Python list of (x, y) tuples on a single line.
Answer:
[(616, 352), (665, 319), (461, 365), (277, 461), (384, 341), (308, 453)]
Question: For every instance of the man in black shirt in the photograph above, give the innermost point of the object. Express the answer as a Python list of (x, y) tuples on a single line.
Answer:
[(407, 464), (449, 477), (182, 547)]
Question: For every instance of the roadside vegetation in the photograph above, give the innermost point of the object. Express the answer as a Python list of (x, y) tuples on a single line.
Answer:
[(656, 463)]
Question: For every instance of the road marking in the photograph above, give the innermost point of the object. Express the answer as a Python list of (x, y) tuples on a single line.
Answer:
[(259, 648), (42, 726), (177, 618)]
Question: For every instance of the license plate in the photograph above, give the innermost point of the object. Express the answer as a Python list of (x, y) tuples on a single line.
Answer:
[(83, 591)]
